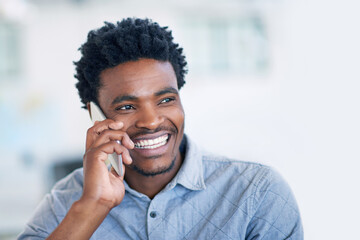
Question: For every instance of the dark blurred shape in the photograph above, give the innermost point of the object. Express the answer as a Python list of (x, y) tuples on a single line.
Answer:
[(62, 168)]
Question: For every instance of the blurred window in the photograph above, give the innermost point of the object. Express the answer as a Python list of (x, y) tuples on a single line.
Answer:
[(10, 60), (228, 45)]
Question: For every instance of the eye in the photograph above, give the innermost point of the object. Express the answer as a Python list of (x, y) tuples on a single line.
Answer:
[(166, 100), (125, 107)]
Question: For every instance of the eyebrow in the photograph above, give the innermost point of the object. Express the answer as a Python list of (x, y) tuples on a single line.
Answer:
[(123, 98), (167, 90), (120, 99)]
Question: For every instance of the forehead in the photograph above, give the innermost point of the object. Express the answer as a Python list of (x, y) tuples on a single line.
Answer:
[(137, 78)]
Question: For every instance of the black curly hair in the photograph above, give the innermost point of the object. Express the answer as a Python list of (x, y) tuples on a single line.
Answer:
[(127, 40)]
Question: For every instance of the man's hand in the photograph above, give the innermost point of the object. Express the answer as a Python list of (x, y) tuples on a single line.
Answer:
[(103, 189), (100, 185)]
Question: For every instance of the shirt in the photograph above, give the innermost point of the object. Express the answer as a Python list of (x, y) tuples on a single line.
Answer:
[(211, 197)]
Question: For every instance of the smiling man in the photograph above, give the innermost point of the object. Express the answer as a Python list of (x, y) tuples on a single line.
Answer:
[(171, 189), (143, 95)]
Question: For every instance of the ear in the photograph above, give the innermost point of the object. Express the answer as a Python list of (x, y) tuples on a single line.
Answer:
[(88, 108)]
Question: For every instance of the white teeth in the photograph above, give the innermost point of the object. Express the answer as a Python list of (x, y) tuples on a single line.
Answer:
[(152, 143)]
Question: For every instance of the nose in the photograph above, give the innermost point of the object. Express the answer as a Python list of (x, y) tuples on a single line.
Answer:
[(149, 118)]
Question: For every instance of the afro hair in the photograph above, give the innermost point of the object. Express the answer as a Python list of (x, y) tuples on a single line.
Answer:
[(127, 40)]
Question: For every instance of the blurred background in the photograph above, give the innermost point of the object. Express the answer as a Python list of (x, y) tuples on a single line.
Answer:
[(273, 81)]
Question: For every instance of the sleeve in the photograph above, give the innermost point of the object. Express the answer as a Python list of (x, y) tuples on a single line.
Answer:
[(275, 212), (53, 208), (43, 222)]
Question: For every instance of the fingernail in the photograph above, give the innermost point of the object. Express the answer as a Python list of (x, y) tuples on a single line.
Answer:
[(116, 125)]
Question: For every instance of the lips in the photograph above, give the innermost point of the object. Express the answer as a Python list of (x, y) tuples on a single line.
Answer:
[(152, 143)]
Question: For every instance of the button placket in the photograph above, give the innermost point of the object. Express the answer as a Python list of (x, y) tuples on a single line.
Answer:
[(154, 219)]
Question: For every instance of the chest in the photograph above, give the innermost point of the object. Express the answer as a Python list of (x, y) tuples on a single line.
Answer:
[(180, 214)]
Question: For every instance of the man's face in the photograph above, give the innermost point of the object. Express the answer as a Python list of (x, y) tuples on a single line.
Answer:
[(144, 96)]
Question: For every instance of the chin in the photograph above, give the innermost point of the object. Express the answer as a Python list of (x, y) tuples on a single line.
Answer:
[(151, 171)]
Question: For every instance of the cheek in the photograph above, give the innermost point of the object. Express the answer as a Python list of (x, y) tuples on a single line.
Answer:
[(178, 117)]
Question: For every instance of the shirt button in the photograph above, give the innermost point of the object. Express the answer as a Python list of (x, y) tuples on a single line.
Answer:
[(153, 214)]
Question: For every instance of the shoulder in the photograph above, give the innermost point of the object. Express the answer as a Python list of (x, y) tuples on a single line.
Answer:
[(54, 206), (68, 189), (262, 193), (260, 181), (251, 172)]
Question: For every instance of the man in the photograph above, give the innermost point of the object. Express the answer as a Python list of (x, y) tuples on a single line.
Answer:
[(171, 189)]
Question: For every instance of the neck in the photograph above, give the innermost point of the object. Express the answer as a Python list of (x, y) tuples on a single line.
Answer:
[(152, 185)]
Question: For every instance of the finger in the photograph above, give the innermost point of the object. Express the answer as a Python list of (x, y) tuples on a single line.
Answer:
[(124, 152), (116, 125), (101, 152), (114, 135), (107, 124), (126, 158), (98, 127)]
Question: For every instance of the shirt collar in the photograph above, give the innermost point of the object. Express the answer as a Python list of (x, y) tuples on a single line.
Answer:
[(191, 172)]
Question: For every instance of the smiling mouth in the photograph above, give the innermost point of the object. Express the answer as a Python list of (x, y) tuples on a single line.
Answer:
[(152, 143)]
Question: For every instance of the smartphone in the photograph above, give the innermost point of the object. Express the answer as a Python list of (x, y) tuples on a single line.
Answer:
[(114, 159)]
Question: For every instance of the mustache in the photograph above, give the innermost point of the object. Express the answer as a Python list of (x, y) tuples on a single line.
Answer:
[(148, 131)]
